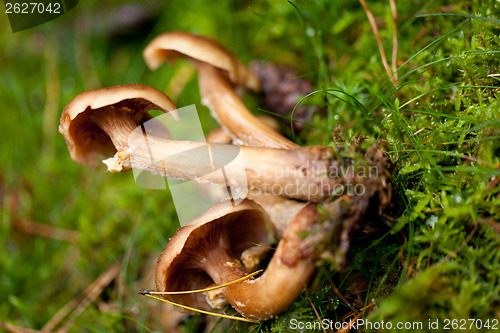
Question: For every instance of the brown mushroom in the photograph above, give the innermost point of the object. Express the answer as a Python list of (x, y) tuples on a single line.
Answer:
[(218, 70), (100, 122), (209, 249), (281, 210), (232, 114), (172, 45)]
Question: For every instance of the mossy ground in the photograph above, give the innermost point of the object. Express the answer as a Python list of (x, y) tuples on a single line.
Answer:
[(439, 123)]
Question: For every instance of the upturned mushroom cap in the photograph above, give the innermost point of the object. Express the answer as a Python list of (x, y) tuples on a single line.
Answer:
[(181, 265), (172, 45), (87, 118)]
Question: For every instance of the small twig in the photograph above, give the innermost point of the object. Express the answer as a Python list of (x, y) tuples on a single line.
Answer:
[(432, 210), (335, 289), (17, 329), (373, 25), (464, 243), (394, 39), (492, 184), (361, 312), (492, 223), (96, 288), (470, 158), (149, 292), (80, 303), (45, 230), (267, 247), (317, 315), (152, 293), (35, 228), (402, 260), (83, 55), (202, 311), (347, 315), (420, 130), (419, 36), (52, 95), (439, 199), (474, 159)]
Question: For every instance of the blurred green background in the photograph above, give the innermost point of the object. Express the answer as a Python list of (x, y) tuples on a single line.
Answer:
[(64, 225)]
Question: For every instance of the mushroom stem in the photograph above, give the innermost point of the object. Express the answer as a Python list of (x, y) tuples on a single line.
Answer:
[(219, 134), (219, 95), (218, 70), (303, 173), (263, 297)]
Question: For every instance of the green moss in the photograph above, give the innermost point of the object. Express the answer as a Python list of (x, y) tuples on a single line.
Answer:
[(439, 123)]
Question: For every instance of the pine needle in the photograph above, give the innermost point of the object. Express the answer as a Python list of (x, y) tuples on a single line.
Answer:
[(373, 25), (152, 293), (203, 311), (394, 61), (147, 292)]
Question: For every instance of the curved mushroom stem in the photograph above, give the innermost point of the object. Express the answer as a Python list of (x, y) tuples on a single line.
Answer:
[(219, 95), (288, 273), (303, 173), (219, 135), (218, 70), (115, 119)]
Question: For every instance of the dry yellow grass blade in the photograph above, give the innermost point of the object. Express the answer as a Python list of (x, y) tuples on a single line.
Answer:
[(147, 292), (202, 311), (152, 293), (77, 305)]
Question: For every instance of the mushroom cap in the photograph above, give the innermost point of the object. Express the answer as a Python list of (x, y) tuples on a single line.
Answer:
[(178, 267), (172, 45), (86, 141)]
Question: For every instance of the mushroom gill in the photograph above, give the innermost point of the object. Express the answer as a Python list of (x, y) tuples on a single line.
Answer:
[(208, 250), (101, 122)]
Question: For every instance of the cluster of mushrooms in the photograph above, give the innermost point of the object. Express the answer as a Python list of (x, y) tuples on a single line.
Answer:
[(229, 242)]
